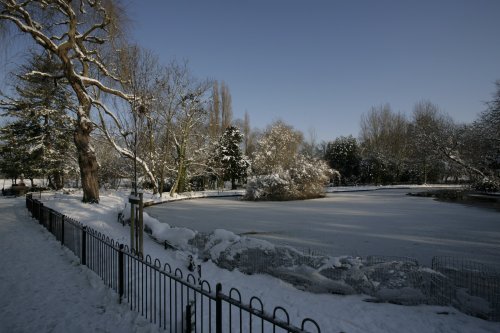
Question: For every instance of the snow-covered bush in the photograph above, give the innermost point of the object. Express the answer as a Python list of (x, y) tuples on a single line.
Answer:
[(276, 149), (269, 187), (303, 180), (280, 172), (486, 185)]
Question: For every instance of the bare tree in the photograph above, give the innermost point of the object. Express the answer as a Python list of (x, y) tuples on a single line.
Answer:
[(227, 109), (246, 133), (221, 111), (385, 135), (191, 114), (215, 120), (425, 123), (438, 134), (76, 33), (309, 145), (134, 131)]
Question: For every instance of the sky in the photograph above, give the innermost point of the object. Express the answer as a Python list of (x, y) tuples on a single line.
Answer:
[(319, 65)]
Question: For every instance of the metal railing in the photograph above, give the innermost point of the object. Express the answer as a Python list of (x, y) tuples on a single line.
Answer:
[(166, 297)]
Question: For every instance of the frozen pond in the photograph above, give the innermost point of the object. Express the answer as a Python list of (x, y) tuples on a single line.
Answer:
[(384, 222)]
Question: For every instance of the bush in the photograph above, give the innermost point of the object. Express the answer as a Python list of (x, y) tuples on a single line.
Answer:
[(486, 185), (304, 180)]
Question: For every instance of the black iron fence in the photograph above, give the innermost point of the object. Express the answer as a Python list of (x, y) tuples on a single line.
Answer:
[(169, 298)]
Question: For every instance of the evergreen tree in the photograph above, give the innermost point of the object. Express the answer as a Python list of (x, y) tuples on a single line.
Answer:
[(228, 158), (344, 156), (37, 140)]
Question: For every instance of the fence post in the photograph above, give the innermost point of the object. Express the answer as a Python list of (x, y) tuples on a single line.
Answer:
[(189, 319), (62, 230), (27, 201), (83, 259), (121, 273), (40, 213), (33, 205), (218, 308)]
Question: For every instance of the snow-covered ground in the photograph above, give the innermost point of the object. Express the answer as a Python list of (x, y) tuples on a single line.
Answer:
[(387, 223), (333, 313), (43, 288)]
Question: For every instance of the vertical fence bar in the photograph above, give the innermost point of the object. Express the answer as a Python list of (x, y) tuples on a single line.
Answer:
[(83, 259), (62, 229), (121, 273), (218, 308), (51, 216)]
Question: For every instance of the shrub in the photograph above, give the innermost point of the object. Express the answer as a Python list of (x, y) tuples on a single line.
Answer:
[(303, 180), (486, 185)]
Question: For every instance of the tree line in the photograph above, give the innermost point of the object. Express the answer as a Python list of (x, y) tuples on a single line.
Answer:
[(90, 104), (428, 147)]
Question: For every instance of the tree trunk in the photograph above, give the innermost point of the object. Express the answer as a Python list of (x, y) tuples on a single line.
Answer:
[(88, 163), (180, 171), (175, 185), (57, 180)]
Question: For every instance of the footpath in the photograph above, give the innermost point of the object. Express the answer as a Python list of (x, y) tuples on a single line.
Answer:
[(43, 288)]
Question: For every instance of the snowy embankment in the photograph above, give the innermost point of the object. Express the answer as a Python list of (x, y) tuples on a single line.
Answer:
[(333, 189), (332, 312)]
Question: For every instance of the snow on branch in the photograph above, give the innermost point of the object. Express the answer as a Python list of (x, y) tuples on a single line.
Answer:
[(125, 152), (102, 106), (32, 28), (104, 88)]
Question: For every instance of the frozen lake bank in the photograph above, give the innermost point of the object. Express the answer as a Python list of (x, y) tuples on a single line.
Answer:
[(384, 222)]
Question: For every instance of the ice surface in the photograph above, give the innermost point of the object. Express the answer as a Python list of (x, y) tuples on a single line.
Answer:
[(351, 223)]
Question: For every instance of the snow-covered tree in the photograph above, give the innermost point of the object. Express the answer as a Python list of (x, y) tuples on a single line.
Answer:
[(40, 127), (227, 157), (191, 115), (79, 34), (483, 143), (276, 149), (281, 172)]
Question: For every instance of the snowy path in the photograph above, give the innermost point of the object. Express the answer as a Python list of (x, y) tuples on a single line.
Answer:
[(357, 223), (43, 288)]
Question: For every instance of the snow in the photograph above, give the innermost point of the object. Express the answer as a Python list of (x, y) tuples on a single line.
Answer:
[(333, 313), (383, 222), (44, 289)]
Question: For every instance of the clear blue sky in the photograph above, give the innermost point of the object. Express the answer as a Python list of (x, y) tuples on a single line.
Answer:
[(321, 64)]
